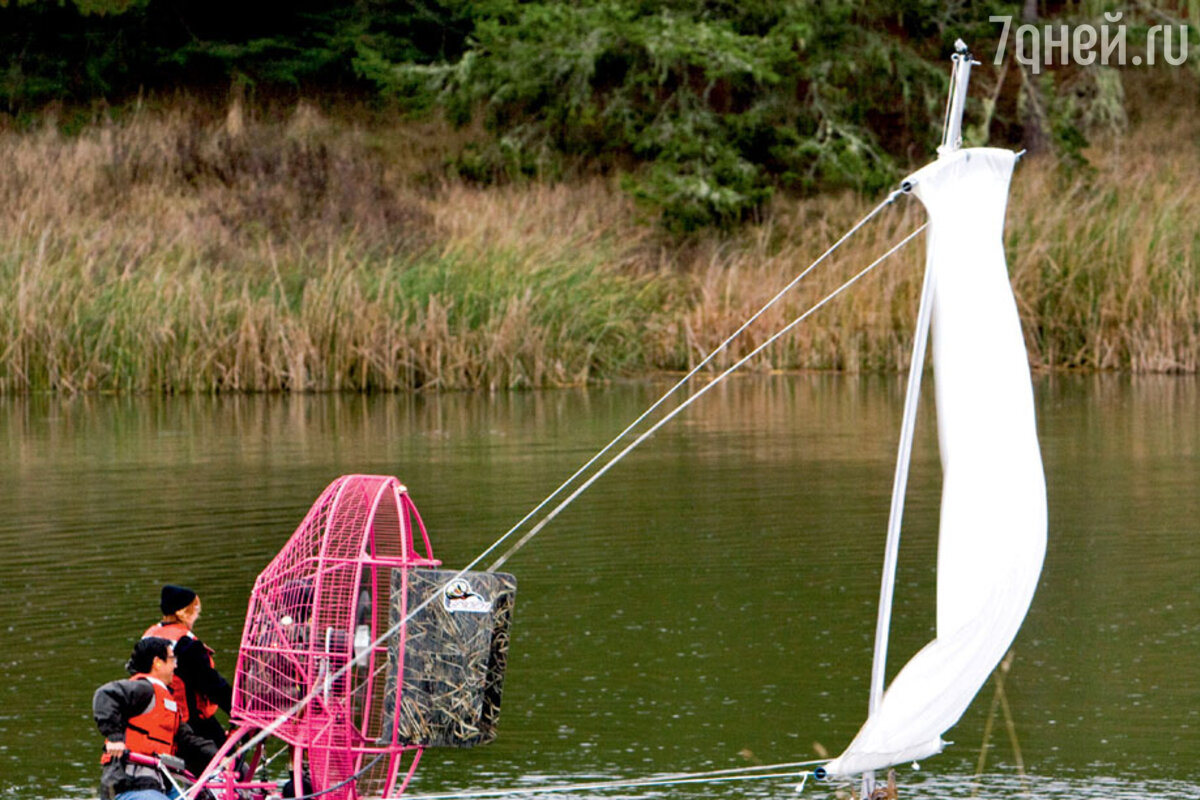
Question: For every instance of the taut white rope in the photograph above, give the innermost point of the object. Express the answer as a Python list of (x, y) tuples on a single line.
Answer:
[(714, 776), (701, 392), (891, 198)]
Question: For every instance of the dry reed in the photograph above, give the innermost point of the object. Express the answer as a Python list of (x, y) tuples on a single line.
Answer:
[(167, 253)]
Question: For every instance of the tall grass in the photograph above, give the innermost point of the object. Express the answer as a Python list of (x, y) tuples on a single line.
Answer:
[(173, 253), (1107, 270)]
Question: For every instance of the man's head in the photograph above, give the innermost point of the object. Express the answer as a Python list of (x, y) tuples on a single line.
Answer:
[(180, 603), (153, 656)]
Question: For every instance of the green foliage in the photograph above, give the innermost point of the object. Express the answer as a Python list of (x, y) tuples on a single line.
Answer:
[(721, 189), (719, 102), (111, 49)]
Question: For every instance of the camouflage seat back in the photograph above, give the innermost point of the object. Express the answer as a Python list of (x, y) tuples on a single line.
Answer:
[(456, 650)]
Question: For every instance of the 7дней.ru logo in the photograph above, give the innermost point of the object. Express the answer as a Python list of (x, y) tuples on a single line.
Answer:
[(1036, 46)]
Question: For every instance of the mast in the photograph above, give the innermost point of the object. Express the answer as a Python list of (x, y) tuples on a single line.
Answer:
[(951, 141), (960, 77)]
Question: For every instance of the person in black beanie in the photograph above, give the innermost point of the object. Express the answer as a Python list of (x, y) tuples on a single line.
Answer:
[(197, 681)]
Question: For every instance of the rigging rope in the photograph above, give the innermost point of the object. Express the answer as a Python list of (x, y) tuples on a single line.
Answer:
[(703, 390), (591, 480), (713, 776), (664, 420), (314, 691), (891, 198)]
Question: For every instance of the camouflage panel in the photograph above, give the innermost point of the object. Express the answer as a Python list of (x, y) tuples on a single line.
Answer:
[(454, 659)]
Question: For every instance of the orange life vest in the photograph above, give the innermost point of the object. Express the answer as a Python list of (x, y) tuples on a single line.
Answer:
[(153, 730), (176, 631)]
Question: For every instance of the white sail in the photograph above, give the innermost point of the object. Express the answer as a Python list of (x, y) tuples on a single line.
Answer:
[(992, 535)]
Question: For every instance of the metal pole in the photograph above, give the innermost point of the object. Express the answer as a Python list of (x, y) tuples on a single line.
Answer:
[(899, 486), (960, 77), (951, 141)]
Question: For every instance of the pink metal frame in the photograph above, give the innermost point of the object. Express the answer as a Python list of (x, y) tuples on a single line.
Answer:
[(330, 582)]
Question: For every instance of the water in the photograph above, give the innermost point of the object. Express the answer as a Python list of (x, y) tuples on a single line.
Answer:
[(708, 604)]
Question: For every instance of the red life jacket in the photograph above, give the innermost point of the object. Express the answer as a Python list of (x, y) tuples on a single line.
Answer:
[(176, 631), (153, 730)]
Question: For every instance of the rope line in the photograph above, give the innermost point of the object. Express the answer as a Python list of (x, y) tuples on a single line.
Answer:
[(536, 529), (317, 689), (891, 198), (591, 480), (714, 776)]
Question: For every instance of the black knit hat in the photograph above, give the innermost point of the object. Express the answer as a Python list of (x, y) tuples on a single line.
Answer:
[(175, 598)]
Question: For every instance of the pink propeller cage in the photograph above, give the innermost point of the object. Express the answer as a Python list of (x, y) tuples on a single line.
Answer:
[(328, 587)]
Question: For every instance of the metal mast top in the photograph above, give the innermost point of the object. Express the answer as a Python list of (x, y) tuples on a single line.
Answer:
[(960, 77)]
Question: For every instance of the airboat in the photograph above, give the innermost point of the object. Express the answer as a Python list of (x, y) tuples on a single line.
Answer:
[(359, 650)]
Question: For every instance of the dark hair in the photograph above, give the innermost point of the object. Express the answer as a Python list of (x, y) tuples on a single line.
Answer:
[(144, 653)]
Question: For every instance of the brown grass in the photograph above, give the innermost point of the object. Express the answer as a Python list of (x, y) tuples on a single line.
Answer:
[(169, 253)]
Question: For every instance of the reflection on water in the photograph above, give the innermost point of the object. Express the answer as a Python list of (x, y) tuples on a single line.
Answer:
[(708, 604)]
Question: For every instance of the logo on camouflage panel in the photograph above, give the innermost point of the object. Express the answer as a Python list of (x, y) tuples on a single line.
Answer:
[(459, 597)]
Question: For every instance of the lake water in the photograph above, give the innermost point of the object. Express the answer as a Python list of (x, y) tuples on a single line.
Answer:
[(708, 604)]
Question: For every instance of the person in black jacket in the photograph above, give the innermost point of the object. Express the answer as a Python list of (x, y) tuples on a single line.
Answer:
[(140, 715), (197, 681)]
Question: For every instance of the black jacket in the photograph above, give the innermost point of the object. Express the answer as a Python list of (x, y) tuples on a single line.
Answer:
[(113, 705), (195, 669)]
